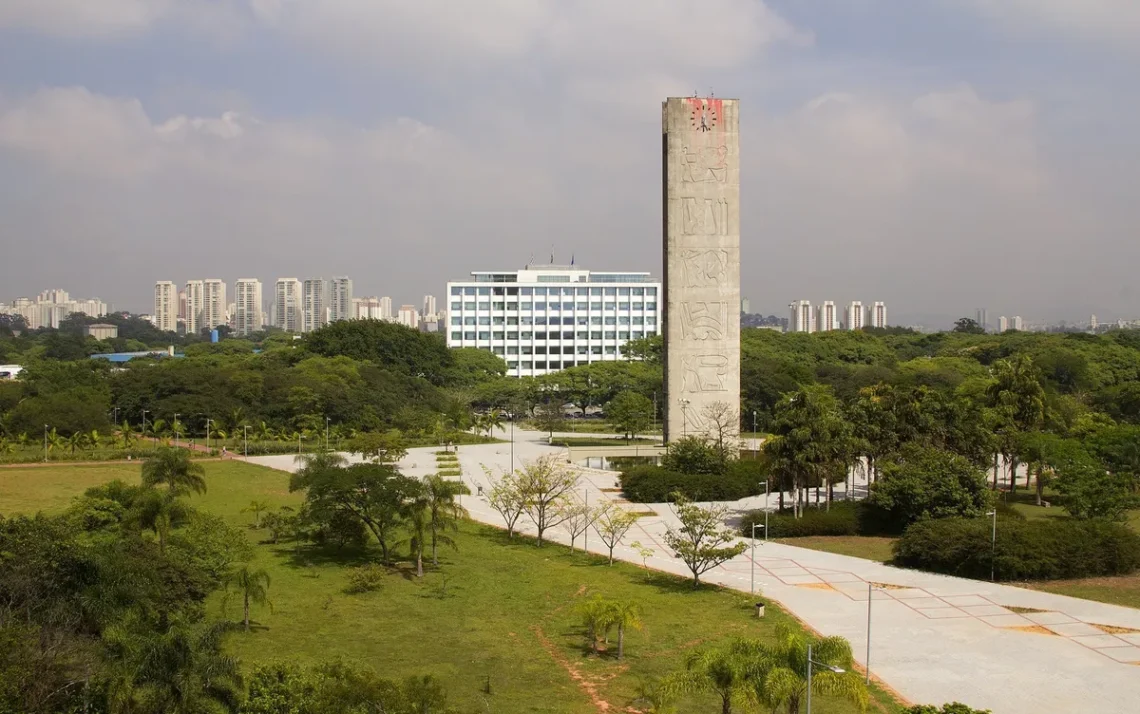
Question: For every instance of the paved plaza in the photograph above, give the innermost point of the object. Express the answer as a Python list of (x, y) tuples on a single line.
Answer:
[(934, 638)]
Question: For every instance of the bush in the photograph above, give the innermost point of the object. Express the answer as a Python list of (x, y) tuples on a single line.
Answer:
[(655, 484), (924, 482), (844, 518), (1026, 550), (366, 578), (954, 708)]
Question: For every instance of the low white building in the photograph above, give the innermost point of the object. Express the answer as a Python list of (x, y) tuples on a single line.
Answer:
[(543, 319)]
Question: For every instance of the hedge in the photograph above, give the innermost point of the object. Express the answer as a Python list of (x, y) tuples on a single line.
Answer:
[(1051, 549), (656, 484), (844, 518)]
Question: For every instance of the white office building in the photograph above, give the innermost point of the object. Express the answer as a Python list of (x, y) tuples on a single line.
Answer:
[(408, 316), (802, 317), (877, 315), (166, 306), (339, 297), (827, 318), (541, 320), (287, 304), (854, 316), (1003, 324), (1017, 324), (194, 293), (213, 304), (247, 306), (313, 304)]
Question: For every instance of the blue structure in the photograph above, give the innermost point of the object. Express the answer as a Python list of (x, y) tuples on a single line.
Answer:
[(120, 357), (214, 336)]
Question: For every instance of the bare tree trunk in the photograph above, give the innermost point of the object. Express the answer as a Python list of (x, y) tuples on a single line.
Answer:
[(434, 556), (1013, 473), (1040, 482), (995, 470), (419, 562), (621, 641)]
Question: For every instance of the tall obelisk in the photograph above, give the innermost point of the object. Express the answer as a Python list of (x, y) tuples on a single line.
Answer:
[(701, 174)]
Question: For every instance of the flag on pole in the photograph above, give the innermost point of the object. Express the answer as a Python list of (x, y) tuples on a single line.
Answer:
[(571, 260)]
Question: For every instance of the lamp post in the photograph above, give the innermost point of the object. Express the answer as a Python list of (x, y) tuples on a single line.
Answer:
[(755, 445), (208, 422), (810, 662), (177, 425), (144, 411), (116, 410), (993, 545), (685, 417), (245, 429), (752, 587), (327, 420), (655, 411), (512, 443), (870, 592), (45, 442), (586, 533)]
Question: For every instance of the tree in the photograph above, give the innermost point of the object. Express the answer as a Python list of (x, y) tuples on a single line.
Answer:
[(694, 455), (925, 482), (160, 512), (722, 671), (629, 413), (549, 417), (625, 614), (252, 586), (968, 326), (543, 486), (387, 447), (809, 436), (174, 469), (256, 508), (444, 510), (417, 519), (374, 493), (1091, 492), (577, 516), (722, 423), (177, 670), (702, 541), (1018, 401), (611, 524), (506, 497), (388, 344), (782, 676)]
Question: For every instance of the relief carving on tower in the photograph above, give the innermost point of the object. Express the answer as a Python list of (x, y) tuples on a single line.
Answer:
[(704, 268), (701, 320), (706, 164), (704, 373)]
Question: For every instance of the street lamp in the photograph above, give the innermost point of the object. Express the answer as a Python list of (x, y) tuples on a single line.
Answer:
[(752, 587), (245, 428), (828, 667), (870, 592), (327, 420), (755, 445), (993, 544), (45, 442), (208, 422), (512, 443), (116, 410), (684, 417)]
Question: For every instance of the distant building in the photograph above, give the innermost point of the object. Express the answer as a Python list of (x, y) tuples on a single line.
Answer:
[(386, 308), (166, 306), (366, 308), (313, 315), (854, 316), (1093, 324), (826, 317), (429, 312), (340, 299), (101, 331), (213, 306), (802, 318), (877, 315), (287, 307), (408, 316), (982, 318), (247, 306), (745, 306), (1003, 324), (544, 319), (1017, 324), (10, 371)]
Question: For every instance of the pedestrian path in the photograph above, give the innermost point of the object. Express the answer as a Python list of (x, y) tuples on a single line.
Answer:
[(933, 638)]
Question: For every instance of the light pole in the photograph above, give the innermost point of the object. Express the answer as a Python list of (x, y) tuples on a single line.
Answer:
[(993, 545), (810, 662), (245, 428), (512, 443), (752, 587), (208, 421), (327, 420), (685, 417), (45, 442), (144, 411), (870, 592), (177, 426), (586, 533), (116, 410), (655, 411)]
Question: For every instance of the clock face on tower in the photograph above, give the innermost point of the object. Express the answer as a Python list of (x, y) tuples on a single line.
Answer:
[(703, 118)]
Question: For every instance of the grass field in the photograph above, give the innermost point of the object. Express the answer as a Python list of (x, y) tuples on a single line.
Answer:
[(869, 547), (496, 611)]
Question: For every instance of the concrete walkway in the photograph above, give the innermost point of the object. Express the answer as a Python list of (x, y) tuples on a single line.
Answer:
[(934, 638)]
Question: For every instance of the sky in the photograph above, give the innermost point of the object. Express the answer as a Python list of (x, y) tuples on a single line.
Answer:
[(940, 155)]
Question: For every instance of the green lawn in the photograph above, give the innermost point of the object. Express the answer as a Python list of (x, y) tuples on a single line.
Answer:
[(496, 609), (869, 547), (596, 441)]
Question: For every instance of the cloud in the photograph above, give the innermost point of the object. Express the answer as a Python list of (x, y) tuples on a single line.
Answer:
[(1115, 21), (114, 19)]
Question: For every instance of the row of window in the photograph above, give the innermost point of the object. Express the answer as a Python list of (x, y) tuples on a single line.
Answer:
[(541, 365), (581, 320), (457, 305), (458, 335), (568, 292)]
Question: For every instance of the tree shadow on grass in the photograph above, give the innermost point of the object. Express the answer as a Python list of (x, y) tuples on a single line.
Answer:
[(669, 583), (303, 556)]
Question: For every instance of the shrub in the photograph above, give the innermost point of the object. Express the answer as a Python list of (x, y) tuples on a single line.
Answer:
[(655, 484), (1025, 550), (953, 708), (843, 519), (450, 472), (924, 482), (694, 455), (365, 578)]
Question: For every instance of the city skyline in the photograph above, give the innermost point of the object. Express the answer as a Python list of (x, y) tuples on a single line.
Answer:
[(923, 164)]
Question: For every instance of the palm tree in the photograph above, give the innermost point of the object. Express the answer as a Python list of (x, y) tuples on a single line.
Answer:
[(126, 435), (174, 468), (160, 512), (256, 508), (76, 441), (624, 614), (180, 670), (443, 510), (253, 585), (417, 514), (723, 671), (493, 420), (779, 676), (94, 439)]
